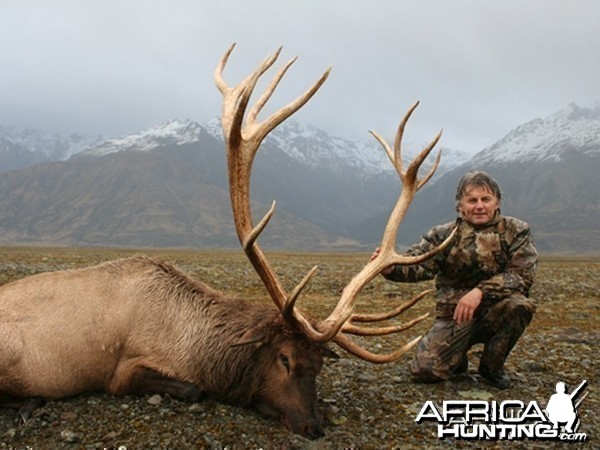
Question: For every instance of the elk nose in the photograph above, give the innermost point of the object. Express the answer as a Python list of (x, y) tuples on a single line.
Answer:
[(314, 430)]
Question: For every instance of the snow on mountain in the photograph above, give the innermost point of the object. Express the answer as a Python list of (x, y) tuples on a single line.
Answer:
[(316, 148), (213, 127), (308, 145), (48, 146), (545, 139), (174, 132), (537, 140)]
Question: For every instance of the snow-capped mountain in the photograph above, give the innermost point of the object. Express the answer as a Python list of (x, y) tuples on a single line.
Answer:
[(173, 132), (305, 144), (15, 156), (546, 139), (316, 148), (44, 146)]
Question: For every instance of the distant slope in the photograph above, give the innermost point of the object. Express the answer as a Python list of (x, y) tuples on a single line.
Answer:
[(20, 148), (129, 199)]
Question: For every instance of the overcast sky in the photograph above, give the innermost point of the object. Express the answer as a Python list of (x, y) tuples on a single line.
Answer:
[(479, 67)]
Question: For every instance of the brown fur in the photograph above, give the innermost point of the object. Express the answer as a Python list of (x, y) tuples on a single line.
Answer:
[(101, 329)]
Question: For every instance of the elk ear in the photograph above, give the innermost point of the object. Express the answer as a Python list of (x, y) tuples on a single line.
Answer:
[(253, 336)]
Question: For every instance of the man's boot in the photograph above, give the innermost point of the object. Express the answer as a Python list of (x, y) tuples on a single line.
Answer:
[(498, 379), (496, 350)]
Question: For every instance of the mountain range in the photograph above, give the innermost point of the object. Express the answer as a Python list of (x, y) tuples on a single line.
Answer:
[(167, 187)]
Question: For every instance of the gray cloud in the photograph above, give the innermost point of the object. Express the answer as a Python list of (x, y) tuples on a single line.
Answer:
[(478, 67)]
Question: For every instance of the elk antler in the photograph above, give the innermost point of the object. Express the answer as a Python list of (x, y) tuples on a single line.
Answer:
[(243, 138), (387, 255)]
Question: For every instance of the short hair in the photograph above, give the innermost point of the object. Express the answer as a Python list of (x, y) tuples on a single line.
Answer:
[(480, 179)]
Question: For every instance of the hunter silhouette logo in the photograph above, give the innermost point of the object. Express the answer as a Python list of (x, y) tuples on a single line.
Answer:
[(509, 419), (562, 408)]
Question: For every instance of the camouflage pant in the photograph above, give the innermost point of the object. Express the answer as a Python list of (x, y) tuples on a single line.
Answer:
[(444, 348)]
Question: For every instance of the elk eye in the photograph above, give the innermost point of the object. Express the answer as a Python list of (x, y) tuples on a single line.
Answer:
[(285, 361)]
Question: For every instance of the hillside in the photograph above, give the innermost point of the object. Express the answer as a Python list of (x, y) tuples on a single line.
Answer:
[(157, 199)]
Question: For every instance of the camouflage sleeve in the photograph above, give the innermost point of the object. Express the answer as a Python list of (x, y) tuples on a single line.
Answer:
[(522, 264), (428, 269)]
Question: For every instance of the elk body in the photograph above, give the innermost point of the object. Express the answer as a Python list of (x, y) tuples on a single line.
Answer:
[(136, 326)]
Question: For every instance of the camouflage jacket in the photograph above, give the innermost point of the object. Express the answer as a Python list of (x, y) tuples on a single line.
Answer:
[(499, 258)]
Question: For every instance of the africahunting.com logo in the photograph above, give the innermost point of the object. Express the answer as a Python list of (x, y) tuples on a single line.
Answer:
[(509, 419)]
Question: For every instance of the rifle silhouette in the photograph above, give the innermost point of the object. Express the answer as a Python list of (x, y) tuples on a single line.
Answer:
[(575, 393), (580, 400), (579, 388)]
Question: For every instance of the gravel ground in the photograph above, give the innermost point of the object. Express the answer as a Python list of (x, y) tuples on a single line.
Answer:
[(365, 406)]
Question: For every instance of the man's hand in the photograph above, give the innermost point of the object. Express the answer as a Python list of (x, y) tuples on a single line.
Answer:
[(385, 271), (466, 306)]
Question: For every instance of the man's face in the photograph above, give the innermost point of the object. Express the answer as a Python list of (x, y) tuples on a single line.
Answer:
[(478, 205)]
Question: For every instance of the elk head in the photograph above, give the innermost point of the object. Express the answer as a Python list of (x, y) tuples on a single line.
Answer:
[(243, 134)]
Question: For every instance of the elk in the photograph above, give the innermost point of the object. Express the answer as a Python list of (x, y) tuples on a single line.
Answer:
[(140, 326)]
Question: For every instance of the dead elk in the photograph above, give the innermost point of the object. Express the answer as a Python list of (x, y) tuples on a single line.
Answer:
[(138, 326)]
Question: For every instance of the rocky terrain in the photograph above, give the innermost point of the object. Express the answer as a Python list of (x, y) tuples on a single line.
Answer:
[(365, 406)]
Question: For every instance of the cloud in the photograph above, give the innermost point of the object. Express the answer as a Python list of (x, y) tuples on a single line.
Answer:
[(479, 67)]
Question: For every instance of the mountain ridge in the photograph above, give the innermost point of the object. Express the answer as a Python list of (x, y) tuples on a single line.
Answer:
[(167, 186), (541, 139), (306, 144)]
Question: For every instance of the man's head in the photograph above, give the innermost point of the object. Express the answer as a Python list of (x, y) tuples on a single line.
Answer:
[(478, 198)]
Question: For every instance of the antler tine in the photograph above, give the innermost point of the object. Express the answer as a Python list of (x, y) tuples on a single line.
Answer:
[(379, 331), (395, 258), (279, 116), (249, 240), (352, 347), (350, 328), (260, 103), (235, 100), (436, 163), (398, 138), (221, 85), (387, 148), (414, 166), (288, 310), (378, 317)]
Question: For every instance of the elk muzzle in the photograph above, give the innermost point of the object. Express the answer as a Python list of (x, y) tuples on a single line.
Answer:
[(305, 420), (307, 426)]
